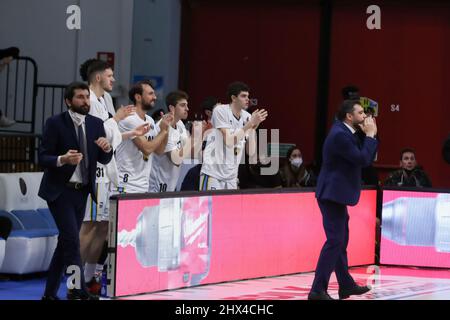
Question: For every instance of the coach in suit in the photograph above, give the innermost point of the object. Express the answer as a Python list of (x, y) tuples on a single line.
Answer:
[(72, 144), (339, 185)]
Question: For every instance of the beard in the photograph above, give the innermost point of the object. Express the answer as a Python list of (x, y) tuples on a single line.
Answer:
[(83, 109), (148, 106), (357, 125)]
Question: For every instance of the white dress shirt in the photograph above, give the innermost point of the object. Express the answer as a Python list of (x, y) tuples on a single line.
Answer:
[(77, 120)]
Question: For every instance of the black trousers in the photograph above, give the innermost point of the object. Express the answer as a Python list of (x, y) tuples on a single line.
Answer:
[(68, 212), (333, 256)]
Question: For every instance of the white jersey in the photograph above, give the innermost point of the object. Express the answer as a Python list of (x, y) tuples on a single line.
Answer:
[(109, 103), (219, 160), (134, 167), (164, 173), (101, 107)]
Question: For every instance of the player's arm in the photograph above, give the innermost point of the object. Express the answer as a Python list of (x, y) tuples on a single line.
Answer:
[(250, 146), (148, 147), (178, 155), (346, 147), (232, 138), (158, 144), (137, 132), (164, 125), (124, 112)]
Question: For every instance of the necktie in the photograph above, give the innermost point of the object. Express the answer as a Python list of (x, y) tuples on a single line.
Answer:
[(84, 161)]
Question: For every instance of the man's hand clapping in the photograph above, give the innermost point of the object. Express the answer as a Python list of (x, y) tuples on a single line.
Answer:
[(258, 116)]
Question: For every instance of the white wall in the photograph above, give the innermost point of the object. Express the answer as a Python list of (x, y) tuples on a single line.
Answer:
[(143, 34), (39, 29), (107, 26), (156, 41)]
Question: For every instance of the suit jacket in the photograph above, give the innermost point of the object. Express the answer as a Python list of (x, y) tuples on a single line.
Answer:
[(59, 136), (344, 155)]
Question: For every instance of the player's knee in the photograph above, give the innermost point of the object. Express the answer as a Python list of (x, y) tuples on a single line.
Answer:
[(103, 227)]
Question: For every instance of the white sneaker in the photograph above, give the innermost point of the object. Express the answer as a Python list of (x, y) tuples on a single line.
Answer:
[(5, 122)]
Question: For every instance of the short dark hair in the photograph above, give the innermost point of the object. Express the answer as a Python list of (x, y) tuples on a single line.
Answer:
[(173, 97), (405, 150), (290, 150), (137, 88), (157, 114), (95, 67), (236, 88), (209, 103), (84, 68), (70, 89), (347, 106), (350, 92)]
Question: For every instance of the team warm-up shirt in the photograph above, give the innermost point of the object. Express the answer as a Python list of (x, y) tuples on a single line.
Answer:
[(164, 174), (134, 167), (109, 103), (220, 161)]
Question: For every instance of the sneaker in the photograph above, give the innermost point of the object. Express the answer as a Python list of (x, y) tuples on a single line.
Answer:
[(94, 286), (5, 122), (76, 294)]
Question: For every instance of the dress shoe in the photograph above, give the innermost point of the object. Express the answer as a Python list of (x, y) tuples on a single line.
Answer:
[(319, 296), (357, 290), (76, 294), (50, 298)]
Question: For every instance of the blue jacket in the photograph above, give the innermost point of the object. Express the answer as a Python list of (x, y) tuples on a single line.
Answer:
[(343, 158), (58, 137)]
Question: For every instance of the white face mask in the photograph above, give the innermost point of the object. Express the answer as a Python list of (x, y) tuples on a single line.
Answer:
[(77, 117), (297, 162)]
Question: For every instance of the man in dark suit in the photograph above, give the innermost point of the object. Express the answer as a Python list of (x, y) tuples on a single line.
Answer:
[(339, 185), (72, 144)]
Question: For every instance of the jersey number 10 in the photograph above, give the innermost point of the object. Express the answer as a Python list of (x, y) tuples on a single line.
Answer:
[(162, 187)]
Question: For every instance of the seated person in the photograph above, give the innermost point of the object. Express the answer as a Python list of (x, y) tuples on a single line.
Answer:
[(410, 174), (295, 173), (251, 177), (208, 106), (191, 181)]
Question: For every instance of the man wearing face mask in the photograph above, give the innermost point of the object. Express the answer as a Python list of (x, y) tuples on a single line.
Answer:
[(72, 144), (410, 174), (294, 173), (339, 185)]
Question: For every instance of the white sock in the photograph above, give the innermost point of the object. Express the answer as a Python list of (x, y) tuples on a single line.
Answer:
[(98, 269), (89, 271)]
